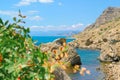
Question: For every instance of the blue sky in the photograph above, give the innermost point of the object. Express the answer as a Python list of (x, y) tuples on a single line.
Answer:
[(56, 15)]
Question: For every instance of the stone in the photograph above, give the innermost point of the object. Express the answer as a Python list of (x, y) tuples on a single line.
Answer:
[(73, 58), (60, 74), (105, 34)]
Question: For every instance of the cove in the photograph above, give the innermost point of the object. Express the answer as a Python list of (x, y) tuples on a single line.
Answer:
[(89, 61), (88, 58)]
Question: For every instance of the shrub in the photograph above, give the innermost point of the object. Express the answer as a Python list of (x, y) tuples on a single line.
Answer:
[(105, 29), (113, 41), (101, 29), (105, 40), (100, 33), (20, 59), (88, 42)]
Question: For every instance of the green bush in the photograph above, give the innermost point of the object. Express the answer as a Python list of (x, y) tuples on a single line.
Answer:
[(105, 40), (20, 59), (88, 42)]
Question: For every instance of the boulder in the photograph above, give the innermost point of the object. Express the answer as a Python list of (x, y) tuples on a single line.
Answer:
[(60, 74), (73, 58)]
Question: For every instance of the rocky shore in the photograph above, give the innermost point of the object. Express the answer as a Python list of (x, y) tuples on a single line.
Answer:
[(73, 58), (111, 70), (104, 35)]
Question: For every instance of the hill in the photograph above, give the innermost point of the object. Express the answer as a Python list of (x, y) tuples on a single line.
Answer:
[(104, 35)]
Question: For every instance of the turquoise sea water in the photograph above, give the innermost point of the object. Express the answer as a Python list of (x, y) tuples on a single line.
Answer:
[(88, 58), (89, 61), (46, 39)]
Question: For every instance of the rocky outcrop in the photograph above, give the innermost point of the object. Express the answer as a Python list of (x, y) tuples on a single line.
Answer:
[(109, 54), (104, 35), (73, 58), (60, 74), (111, 70), (110, 14)]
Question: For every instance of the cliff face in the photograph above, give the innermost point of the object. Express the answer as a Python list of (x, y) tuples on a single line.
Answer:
[(111, 13), (104, 34)]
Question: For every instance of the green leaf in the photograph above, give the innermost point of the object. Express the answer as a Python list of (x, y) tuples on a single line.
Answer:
[(19, 20), (7, 60), (11, 69), (1, 21), (14, 18), (28, 30), (17, 47), (6, 22), (1, 75)]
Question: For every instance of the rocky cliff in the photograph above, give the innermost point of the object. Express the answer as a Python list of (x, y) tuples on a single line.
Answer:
[(110, 14), (104, 35)]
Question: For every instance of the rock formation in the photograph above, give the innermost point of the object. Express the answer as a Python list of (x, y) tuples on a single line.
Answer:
[(104, 35), (111, 13), (73, 58), (60, 74)]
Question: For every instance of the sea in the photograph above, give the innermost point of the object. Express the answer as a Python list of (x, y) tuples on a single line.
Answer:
[(45, 39), (88, 58), (90, 62)]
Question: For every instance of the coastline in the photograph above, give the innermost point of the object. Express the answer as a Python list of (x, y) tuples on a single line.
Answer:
[(72, 59), (111, 70), (105, 37)]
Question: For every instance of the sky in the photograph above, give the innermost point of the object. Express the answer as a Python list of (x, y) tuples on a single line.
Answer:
[(45, 17)]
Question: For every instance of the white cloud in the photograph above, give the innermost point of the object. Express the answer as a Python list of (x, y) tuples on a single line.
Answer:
[(77, 25), (46, 1), (35, 18), (8, 13), (74, 27), (31, 15), (28, 2), (15, 13), (33, 11), (25, 2)]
